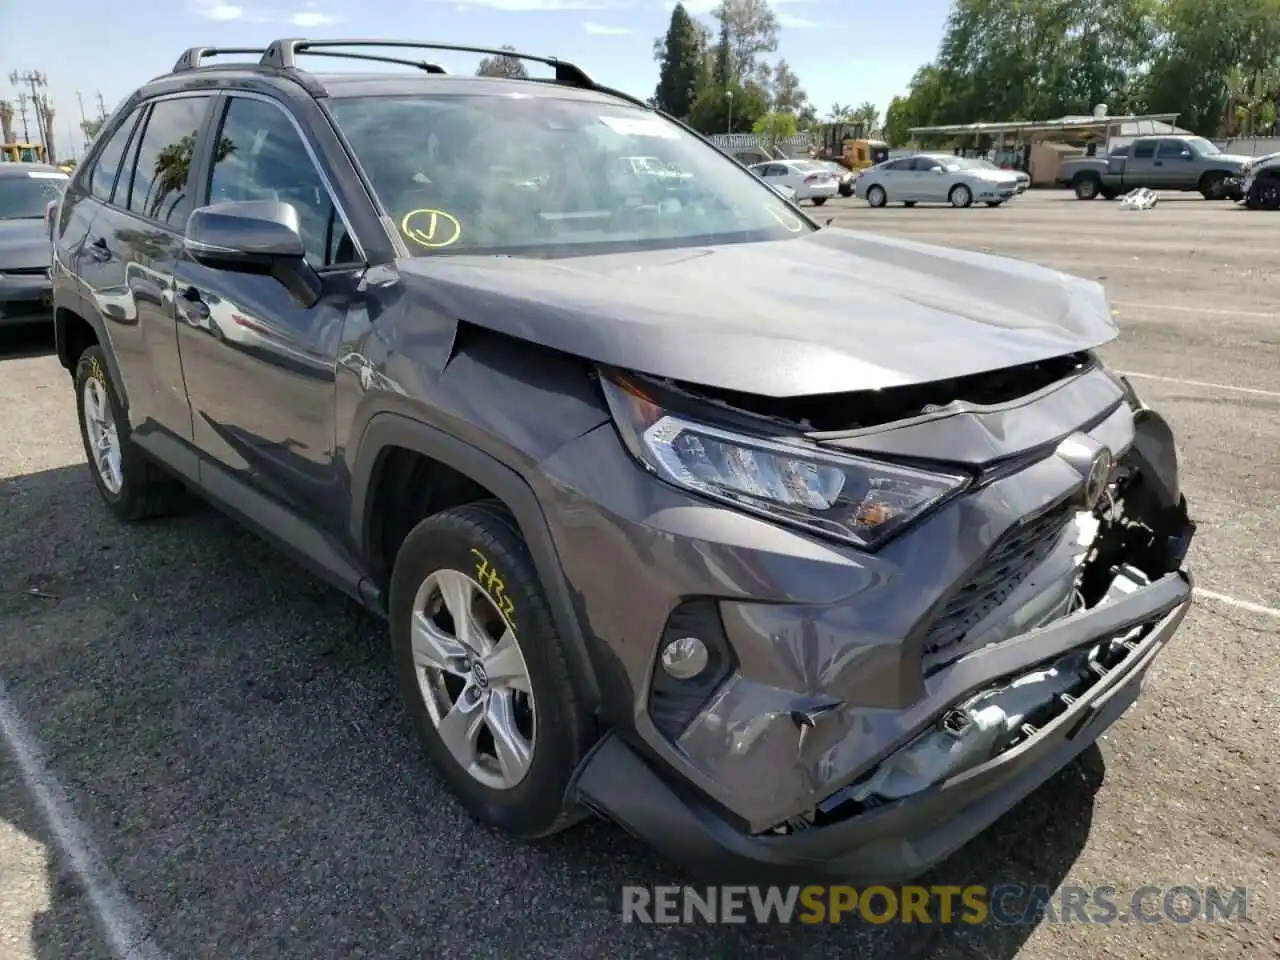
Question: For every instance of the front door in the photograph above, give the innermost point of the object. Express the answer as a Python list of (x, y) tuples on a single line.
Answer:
[(260, 368)]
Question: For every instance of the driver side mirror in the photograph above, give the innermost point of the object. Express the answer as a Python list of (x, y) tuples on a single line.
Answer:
[(938, 170), (259, 237)]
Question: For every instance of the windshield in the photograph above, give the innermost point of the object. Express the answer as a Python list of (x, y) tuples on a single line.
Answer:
[(1203, 146), (542, 176), (25, 198)]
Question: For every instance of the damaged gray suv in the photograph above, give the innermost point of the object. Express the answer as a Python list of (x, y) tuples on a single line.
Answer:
[(783, 547)]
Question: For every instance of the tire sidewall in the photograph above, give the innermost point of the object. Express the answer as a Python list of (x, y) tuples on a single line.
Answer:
[(958, 191), (876, 191), (532, 807), (93, 364), (1086, 189)]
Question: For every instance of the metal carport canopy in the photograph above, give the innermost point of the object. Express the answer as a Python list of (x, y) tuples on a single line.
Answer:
[(1063, 125)]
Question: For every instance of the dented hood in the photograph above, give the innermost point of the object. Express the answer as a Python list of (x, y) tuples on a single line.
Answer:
[(829, 312)]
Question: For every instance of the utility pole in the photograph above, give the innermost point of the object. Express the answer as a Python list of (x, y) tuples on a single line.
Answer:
[(102, 109), (36, 80), (84, 121), (22, 112)]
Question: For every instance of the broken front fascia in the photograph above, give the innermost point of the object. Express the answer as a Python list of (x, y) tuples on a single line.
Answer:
[(996, 719)]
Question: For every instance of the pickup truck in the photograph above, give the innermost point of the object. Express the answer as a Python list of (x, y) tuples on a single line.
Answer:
[(1157, 163)]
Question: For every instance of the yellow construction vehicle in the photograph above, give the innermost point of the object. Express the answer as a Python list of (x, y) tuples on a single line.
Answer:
[(860, 154), (846, 143), (22, 153)]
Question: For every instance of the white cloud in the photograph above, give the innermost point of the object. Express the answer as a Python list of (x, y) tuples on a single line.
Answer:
[(530, 6), (600, 30), (312, 18), (212, 10)]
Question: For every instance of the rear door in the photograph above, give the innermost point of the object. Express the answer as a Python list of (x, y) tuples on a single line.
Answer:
[(128, 260), (1175, 165), (1140, 169)]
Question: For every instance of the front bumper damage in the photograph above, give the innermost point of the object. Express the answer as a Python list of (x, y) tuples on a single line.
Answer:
[(26, 296), (984, 731)]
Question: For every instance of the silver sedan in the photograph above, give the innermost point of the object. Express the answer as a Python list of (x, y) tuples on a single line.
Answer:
[(936, 178)]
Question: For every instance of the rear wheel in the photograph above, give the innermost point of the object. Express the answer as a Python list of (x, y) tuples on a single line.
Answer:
[(960, 196), (876, 196), (819, 201), (132, 487), (1087, 188)]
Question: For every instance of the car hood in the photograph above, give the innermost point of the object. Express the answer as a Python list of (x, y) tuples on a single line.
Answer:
[(24, 244), (1232, 159), (829, 312)]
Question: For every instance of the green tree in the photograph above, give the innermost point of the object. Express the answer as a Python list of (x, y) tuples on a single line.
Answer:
[(503, 65), (774, 126), (748, 30), (710, 113), (681, 57), (868, 114), (787, 94)]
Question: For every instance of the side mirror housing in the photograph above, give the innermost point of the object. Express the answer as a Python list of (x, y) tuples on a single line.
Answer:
[(260, 237)]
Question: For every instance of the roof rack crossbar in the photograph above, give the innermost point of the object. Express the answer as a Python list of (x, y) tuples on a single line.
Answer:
[(420, 64), (283, 54), (194, 57)]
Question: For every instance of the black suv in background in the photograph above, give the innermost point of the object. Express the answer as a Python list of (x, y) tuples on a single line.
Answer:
[(782, 546)]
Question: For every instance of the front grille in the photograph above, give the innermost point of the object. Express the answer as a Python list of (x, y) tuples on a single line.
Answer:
[(24, 308), (1018, 552)]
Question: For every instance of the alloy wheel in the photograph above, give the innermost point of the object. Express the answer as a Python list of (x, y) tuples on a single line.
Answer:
[(104, 439), (473, 679)]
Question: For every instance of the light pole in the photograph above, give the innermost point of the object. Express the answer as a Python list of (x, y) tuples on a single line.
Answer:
[(729, 94)]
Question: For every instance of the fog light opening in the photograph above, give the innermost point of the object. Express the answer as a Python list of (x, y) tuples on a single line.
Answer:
[(685, 658)]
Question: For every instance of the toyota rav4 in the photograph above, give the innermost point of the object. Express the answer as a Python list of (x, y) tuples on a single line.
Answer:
[(780, 545)]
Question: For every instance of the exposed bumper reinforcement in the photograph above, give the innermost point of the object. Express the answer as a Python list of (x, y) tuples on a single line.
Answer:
[(900, 840)]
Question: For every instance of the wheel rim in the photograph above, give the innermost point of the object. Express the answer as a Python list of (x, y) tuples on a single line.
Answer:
[(1087, 189), (960, 197), (104, 439), (1216, 188), (876, 196), (1269, 196), (473, 679)]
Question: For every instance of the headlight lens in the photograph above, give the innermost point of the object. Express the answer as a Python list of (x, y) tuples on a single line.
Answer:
[(863, 502)]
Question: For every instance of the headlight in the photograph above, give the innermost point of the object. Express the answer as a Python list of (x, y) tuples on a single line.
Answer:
[(847, 498)]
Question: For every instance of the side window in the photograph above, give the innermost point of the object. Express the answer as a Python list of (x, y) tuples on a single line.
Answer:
[(1144, 149), (260, 156), (103, 176), (1172, 150), (159, 186)]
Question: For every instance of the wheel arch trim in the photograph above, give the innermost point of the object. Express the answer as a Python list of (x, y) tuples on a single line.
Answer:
[(389, 430)]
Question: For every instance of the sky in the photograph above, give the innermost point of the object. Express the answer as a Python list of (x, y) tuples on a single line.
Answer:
[(844, 51)]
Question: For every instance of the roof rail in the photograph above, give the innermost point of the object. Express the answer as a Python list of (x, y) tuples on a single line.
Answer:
[(420, 64), (194, 57), (283, 54)]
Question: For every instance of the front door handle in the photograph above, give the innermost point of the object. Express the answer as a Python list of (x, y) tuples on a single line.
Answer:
[(193, 306)]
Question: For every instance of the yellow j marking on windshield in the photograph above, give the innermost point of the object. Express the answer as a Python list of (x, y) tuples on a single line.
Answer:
[(431, 228)]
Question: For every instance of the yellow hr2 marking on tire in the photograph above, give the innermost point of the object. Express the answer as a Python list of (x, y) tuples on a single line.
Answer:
[(431, 228), (488, 577)]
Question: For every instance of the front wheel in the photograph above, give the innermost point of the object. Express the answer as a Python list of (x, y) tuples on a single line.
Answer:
[(1213, 186), (819, 201), (960, 196), (483, 671), (1087, 188), (1264, 195), (876, 196)]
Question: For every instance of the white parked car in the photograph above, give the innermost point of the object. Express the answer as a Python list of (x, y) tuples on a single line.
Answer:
[(1261, 186), (808, 178), (936, 178)]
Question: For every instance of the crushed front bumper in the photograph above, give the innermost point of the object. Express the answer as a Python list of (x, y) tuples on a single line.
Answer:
[(896, 841), (25, 297)]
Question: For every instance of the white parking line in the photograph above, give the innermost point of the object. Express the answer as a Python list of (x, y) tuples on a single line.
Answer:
[(122, 926), (1201, 383), (1215, 311), (1240, 604)]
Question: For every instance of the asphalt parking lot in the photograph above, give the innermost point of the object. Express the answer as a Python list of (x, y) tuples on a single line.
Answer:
[(204, 746)]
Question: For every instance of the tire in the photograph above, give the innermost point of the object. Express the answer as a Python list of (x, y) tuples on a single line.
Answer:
[(481, 544), (908, 203), (876, 197), (132, 487), (1087, 188), (1108, 194), (1264, 194), (1213, 186), (819, 201), (960, 196), (846, 189)]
